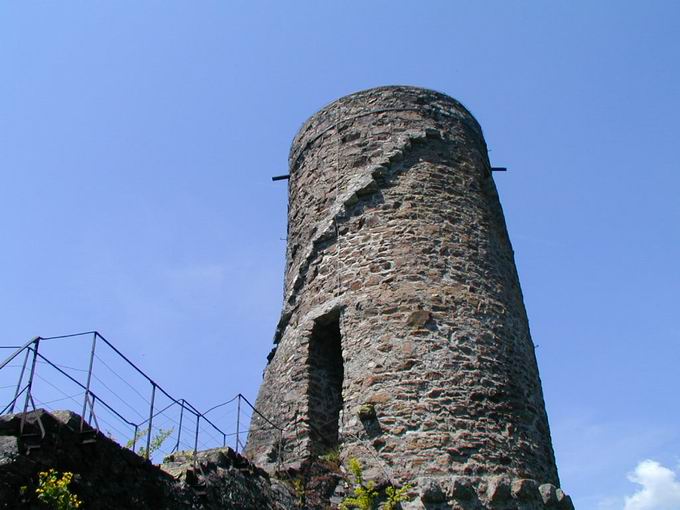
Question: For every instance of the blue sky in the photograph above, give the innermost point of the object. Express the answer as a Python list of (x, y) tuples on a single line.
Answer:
[(137, 142)]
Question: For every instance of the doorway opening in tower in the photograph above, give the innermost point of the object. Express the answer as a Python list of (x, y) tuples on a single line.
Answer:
[(324, 392)]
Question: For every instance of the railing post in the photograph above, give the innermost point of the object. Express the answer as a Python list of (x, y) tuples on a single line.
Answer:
[(89, 419), (87, 385), (198, 421), (181, 416), (21, 378), (148, 434), (29, 388), (238, 420), (134, 438)]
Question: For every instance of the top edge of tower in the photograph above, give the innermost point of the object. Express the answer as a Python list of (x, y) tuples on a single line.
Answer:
[(378, 100)]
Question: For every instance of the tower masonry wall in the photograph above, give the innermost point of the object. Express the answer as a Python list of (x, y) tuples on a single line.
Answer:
[(396, 236)]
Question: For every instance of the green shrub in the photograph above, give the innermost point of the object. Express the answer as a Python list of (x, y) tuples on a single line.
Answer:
[(365, 495), (396, 496), (299, 488), (154, 445), (332, 456)]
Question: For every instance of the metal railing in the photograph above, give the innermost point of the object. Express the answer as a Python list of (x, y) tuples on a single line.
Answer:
[(97, 394)]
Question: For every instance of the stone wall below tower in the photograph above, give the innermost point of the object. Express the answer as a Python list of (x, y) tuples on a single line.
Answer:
[(108, 476)]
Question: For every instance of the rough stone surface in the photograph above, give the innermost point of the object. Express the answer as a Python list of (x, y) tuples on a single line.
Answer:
[(399, 260), (431, 492), (220, 478), (110, 477), (524, 489), (548, 493)]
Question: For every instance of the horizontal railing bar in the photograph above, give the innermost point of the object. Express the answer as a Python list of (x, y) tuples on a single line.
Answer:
[(141, 372), (67, 336), (125, 358), (173, 401), (18, 351), (192, 409), (220, 405), (91, 392), (260, 414), (198, 413), (159, 412)]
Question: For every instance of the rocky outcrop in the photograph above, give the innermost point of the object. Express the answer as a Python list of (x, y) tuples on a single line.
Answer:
[(111, 477), (220, 478)]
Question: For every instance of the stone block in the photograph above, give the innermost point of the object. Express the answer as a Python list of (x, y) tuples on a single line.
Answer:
[(548, 493), (431, 492), (9, 449), (498, 490), (524, 489)]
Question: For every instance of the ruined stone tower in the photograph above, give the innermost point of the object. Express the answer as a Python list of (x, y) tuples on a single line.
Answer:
[(403, 339)]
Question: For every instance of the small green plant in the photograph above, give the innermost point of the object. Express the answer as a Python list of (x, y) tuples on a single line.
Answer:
[(366, 412), (155, 443), (53, 490), (332, 456), (364, 494), (299, 488), (396, 496), (137, 437)]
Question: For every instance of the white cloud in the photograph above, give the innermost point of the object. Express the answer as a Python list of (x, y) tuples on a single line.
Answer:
[(660, 489)]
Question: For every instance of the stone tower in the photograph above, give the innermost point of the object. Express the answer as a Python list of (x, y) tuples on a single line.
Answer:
[(403, 339)]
